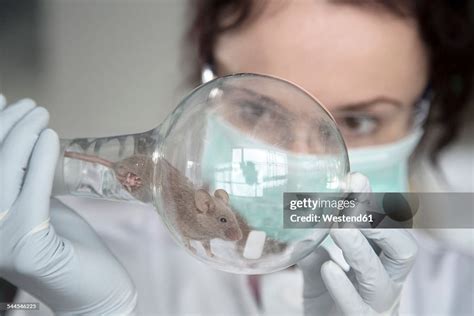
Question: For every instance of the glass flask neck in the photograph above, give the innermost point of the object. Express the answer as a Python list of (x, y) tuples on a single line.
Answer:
[(114, 168)]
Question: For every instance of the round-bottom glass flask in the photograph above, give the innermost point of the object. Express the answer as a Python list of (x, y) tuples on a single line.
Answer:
[(217, 168)]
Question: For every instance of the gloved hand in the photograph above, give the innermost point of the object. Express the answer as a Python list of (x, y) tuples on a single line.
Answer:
[(374, 283), (60, 261)]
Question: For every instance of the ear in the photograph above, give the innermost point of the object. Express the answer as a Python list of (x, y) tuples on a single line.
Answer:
[(222, 194), (203, 201)]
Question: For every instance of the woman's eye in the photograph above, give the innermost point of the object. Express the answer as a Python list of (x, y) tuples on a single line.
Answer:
[(223, 220), (252, 112), (359, 125)]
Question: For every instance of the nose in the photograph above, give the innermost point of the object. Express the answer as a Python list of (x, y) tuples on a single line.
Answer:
[(233, 234), (305, 140), (299, 143)]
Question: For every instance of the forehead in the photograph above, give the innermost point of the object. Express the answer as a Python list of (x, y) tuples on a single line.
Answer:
[(340, 53)]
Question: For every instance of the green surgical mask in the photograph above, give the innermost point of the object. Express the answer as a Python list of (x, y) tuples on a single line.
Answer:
[(386, 166), (256, 174)]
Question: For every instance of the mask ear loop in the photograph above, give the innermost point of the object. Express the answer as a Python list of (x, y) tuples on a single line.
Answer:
[(421, 112), (422, 108), (207, 74)]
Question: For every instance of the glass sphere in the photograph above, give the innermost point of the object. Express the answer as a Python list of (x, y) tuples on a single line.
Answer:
[(228, 153)]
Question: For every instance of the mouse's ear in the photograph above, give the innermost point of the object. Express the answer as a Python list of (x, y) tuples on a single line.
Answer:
[(222, 194), (203, 201)]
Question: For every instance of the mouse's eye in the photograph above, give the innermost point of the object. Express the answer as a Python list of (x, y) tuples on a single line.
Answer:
[(222, 219)]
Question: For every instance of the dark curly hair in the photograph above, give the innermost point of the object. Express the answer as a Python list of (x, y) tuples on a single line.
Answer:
[(446, 28)]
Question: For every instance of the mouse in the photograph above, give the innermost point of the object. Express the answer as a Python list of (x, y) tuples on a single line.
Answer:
[(196, 213)]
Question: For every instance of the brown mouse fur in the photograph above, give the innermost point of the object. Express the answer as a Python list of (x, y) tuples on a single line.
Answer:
[(198, 215)]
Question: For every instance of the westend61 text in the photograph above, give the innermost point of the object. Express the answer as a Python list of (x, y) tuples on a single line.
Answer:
[(330, 218)]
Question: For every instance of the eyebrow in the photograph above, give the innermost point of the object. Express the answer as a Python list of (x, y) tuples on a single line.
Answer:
[(360, 105), (266, 100)]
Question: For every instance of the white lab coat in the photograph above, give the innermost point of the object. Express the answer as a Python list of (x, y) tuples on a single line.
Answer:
[(171, 282)]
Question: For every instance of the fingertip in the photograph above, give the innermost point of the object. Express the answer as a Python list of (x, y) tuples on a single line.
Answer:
[(51, 134), (50, 139), (358, 182), (27, 105), (332, 270), (41, 113), (27, 102)]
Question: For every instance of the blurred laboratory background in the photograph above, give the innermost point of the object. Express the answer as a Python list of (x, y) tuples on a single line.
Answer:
[(100, 67)]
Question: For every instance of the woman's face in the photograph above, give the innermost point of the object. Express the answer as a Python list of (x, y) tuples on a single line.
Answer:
[(366, 65)]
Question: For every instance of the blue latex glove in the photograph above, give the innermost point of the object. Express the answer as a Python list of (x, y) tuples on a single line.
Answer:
[(55, 256), (374, 283)]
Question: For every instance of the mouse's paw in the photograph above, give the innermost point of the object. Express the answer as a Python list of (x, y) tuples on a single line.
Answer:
[(130, 181), (188, 245), (207, 246), (192, 249)]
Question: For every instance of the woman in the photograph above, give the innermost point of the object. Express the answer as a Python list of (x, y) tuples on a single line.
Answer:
[(374, 65)]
